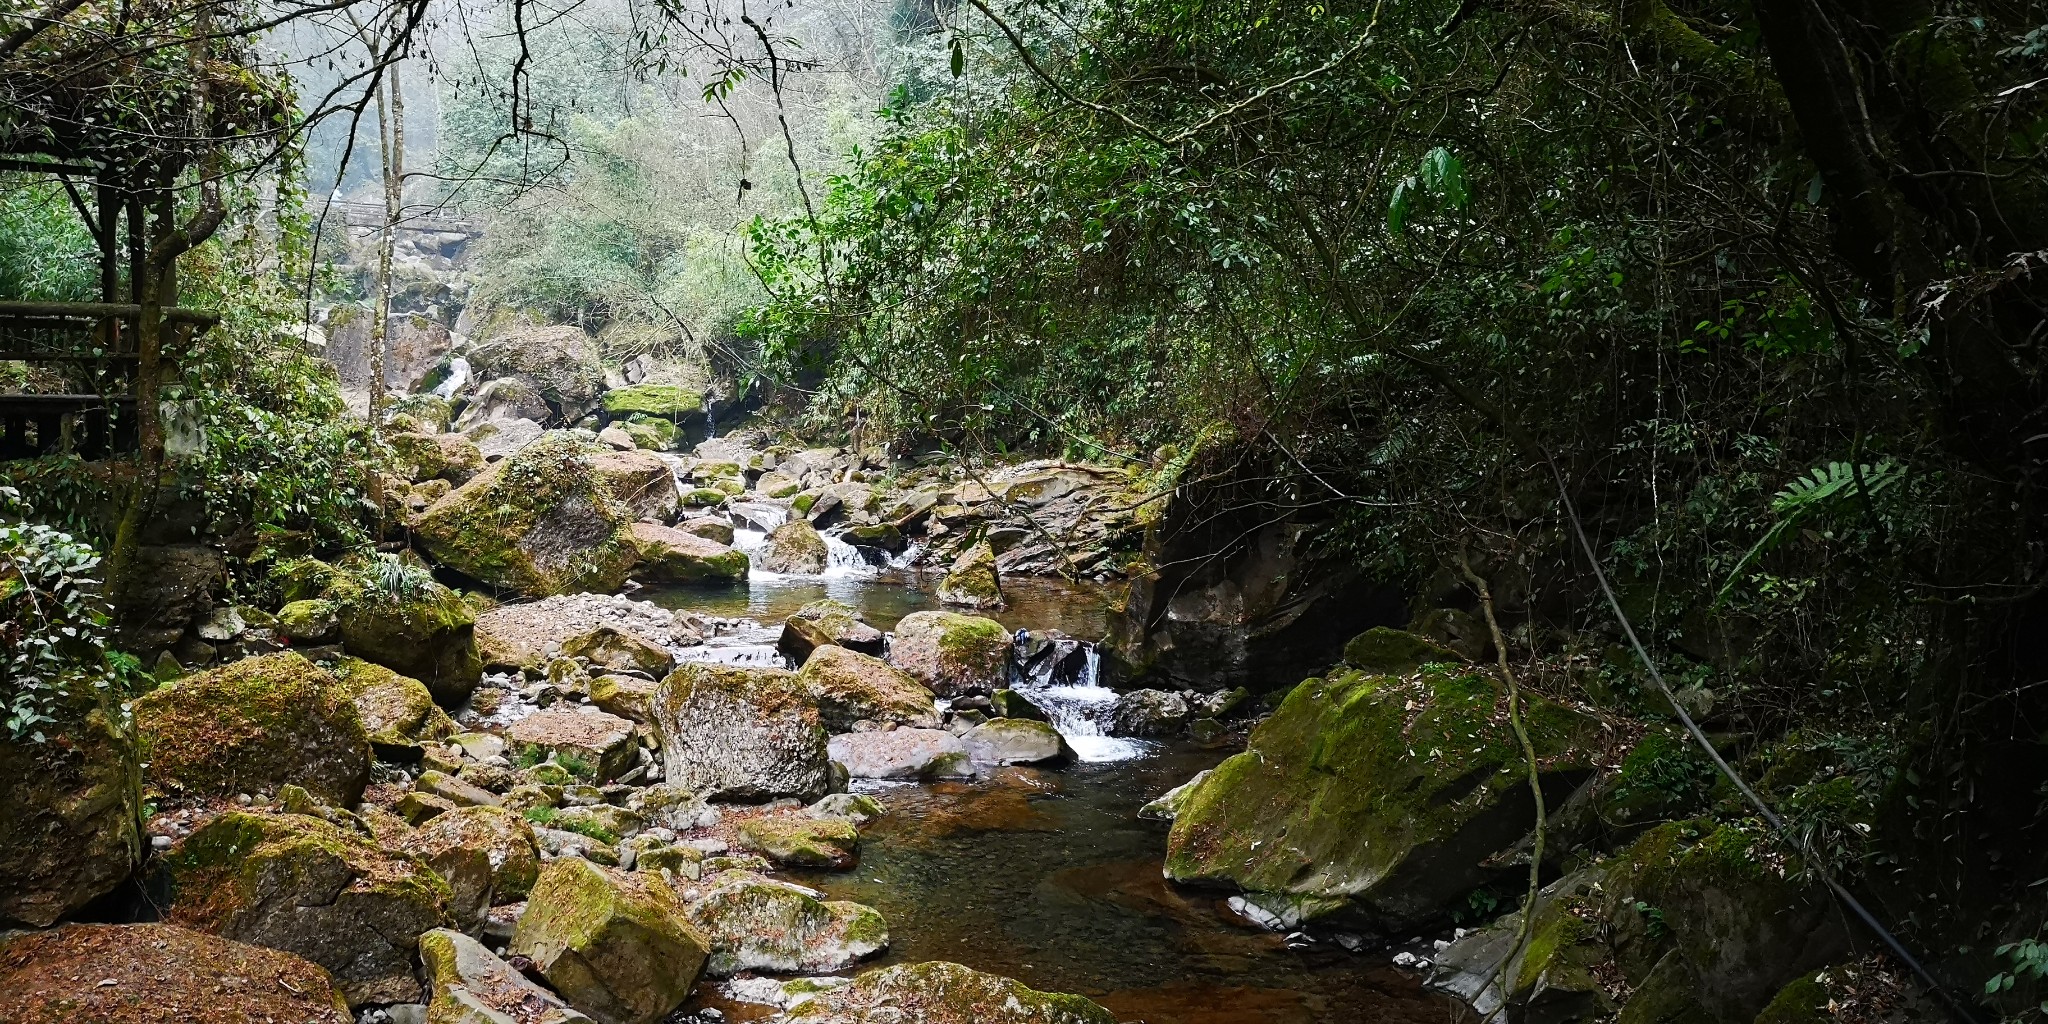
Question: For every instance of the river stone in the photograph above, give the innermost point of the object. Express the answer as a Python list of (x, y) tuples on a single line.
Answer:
[(428, 633), (778, 485), (256, 724), (1148, 713), (540, 522), (741, 733), (604, 742), (397, 711), (1008, 703), (1016, 741), (152, 973), (901, 754), (450, 457), (503, 838), (69, 812), (827, 623), (611, 649), (802, 842), (639, 480), (952, 654), (1166, 806), (711, 528), (858, 808), (668, 402), (297, 883), (616, 945), (1376, 798), (754, 923), (499, 439), (470, 986), (559, 360), (625, 696), (972, 582), (674, 556), (937, 992), (794, 548), (852, 687), (503, 401), (527, 636)]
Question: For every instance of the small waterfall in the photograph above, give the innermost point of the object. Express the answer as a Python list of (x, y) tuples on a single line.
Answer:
[(843, 559), (458, 375), (1063, 680)]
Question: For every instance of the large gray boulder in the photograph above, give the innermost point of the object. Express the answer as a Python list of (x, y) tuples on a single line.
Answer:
[(755, 923), (795, 549), (1149, 713), (851, 687), (540, 522), (901, 754), (617, 945), (743, 733), (471, 986), (69, 814), (1016, 741), (953, 654), (560, 362), (828, 623)]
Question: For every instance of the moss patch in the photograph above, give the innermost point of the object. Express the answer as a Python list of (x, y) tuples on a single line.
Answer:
[(255, 724), (667, 401)]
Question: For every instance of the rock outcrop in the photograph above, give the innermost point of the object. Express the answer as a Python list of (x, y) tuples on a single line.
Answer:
[(953, 654), (1375, 799), (851, 687), (673, 556), (741, 733), (151, 973), (616, 945), (539, 522), (753, 923), (256, 724), (300, 884), (69, 813)]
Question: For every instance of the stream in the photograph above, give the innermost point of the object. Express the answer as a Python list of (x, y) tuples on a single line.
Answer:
[(1049, 876)]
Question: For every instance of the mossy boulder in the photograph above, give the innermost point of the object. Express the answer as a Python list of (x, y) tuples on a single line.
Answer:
[(795, 548), (852, 687), (704, 497), (754, 923), (802, 842), (1555, 976), (617, 946), (539, 522), (827, 623), (742, 733), (902, 754), (628, 697), (953, 654), (639, 480), (1016, 741), (397, 711), (431, 411), (69, 813), (666, 402), (1804, 1001), (1375, 796), (305, 886), (673, 556), (152, 973), (601, 744), (450, 457), (256, 724), (654, 435), (559, 360), (938, 992), (301, 579), (501, 837), (427, 632), (307, 622), (609, 648), (1394, 652), (471, 986), (973, 582)]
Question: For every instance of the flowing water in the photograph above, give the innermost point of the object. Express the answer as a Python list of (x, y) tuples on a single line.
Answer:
[(1049, 876)]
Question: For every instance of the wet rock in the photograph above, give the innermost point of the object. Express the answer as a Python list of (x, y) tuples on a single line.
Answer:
[(951, 653), (617, 946), (258, 723), (778, 485), (397, 711), (1052, 657), (827, 623), (753, 923), (1008, 703), (150, 973), (794, 548), (742, 733), (470, 986), (450, 457), (851, 687), (540, 522), (68, 813), (1328, 813), (901, 754), (641, 481), (305, 886), (427, 632), (937, 992), (1016, 741), (611, 649), (602, 743), (802, 842), (972, 582), (1148, 713), (858, 808), (528, 636), (711, 528), (673, 556)]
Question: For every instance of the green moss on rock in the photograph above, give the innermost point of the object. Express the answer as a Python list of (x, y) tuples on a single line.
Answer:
[(1394, 652), (539, 522), (800, 842), (667, 401), (938, 992), (427, 631), (973, 581), (398, 711), (256, 724), (69, 812), (951, 653), (618, 946)]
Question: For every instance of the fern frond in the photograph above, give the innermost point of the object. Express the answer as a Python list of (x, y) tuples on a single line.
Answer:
[(1809, 493)]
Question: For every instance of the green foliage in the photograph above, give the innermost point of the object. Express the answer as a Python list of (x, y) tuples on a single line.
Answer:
[(53, 630), (50, 255), (2029, 959), (1822, 492)]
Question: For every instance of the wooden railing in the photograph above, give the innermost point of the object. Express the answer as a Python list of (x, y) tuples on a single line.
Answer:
[(98, 338)]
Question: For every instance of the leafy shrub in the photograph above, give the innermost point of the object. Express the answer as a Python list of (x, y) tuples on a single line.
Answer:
[(53, 632)]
